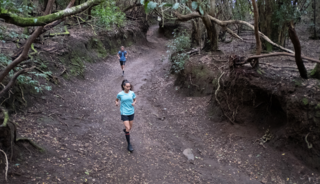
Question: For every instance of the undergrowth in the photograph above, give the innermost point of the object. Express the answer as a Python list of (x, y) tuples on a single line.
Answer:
[(31, 79), (109, 15), (176, 50)]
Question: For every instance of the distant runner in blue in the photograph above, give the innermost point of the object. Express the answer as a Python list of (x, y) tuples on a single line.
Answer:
[(122, 56), (127, 100)]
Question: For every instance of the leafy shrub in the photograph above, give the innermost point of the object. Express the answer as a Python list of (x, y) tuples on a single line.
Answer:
[(29, 81), (108, 14), (16, 8), (176, 49)]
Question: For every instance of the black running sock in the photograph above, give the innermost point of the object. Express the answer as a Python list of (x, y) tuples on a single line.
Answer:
[(128, 137)]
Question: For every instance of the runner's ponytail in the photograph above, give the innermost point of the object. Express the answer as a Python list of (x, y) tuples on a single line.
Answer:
[(124, 82)]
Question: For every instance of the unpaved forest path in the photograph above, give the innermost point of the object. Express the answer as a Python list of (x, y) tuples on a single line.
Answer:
[(81, 128)]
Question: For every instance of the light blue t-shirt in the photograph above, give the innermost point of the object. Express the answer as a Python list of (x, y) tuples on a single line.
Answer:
[(126, 100), (122, 55)]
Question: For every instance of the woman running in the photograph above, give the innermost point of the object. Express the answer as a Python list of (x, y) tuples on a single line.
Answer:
[(127, 100)]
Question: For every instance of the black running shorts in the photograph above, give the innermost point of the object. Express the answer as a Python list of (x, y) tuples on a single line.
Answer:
[(127, 117), (122, 63)]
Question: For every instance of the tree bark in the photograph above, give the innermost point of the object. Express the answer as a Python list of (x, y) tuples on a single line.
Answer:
[(212, 43), (314, 20), (297, 48), (256, 32), (43, 20), (187, 17)]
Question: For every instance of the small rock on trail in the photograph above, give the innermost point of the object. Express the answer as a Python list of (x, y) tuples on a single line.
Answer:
[(188, 153)]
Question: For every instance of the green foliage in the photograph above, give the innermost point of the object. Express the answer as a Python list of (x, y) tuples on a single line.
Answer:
[(176, 49), (29, 81), (305, 101), (175, 6), (180, 42), (241, 9), (109, 14), (202, 5), (285, 13), (10, 35), (178, 62), (150, 5), (15, 8), (4, 60)]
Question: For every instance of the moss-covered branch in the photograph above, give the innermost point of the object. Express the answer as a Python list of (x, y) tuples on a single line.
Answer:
[(43, 20)]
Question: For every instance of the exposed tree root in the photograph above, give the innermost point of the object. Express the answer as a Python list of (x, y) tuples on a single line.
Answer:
[(6, 117), (7, 165), (193, 84), (32, 143), (22, 96), (216, 95)]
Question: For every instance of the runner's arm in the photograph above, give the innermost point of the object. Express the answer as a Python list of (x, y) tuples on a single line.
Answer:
[(118, 55), (134, 102), (117, 102), (126, 54)]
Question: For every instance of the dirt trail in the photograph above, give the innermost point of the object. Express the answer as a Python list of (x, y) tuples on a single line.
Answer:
[(158, 148), (82, 132)]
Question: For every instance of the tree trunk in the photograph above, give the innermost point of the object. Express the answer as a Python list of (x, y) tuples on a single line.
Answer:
[(297, 48), (314, 20), (212, 43), (256, 32)]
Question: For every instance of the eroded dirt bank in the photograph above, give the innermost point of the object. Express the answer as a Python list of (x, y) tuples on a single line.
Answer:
[(81, 129)]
